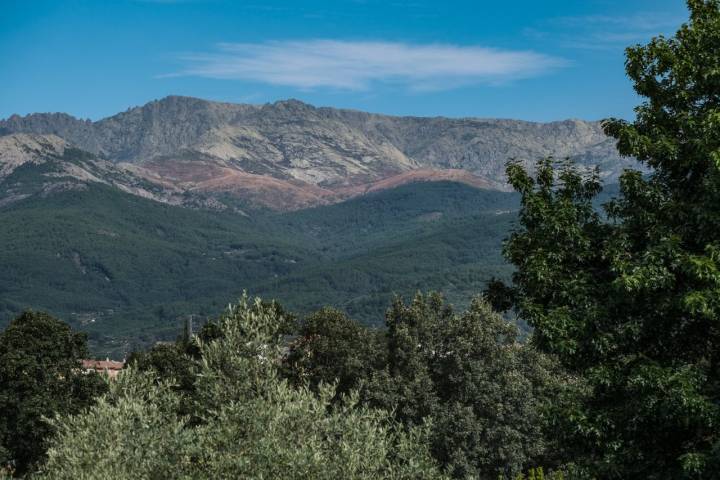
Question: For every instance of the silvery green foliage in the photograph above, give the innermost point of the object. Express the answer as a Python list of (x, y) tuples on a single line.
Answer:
[(251, 424)]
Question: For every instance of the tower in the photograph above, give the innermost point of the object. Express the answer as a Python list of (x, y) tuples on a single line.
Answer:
[(188, 328)]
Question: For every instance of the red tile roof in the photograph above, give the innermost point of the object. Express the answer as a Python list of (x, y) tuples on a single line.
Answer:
[(102, 365)]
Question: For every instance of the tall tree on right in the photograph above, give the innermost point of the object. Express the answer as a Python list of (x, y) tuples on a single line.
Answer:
[(632, 303)]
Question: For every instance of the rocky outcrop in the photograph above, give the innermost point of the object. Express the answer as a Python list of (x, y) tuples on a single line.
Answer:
[(289, 154), (50, 165)]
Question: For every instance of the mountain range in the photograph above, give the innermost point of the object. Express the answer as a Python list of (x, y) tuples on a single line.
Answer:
[(126, 225), (290, 155)]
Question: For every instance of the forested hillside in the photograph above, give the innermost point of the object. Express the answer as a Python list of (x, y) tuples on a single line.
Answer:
[(126, 269)]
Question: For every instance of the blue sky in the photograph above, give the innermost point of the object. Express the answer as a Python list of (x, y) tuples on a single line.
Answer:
[(527, 59)]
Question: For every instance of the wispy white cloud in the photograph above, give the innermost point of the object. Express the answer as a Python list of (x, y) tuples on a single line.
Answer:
[(648, 21), (358, 65), (603, 32)]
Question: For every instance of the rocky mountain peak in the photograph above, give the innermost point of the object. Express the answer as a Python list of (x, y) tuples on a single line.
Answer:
[(192, 143), (293, 104)]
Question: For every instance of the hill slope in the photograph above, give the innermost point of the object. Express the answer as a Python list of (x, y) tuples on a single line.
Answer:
[(126, 268)]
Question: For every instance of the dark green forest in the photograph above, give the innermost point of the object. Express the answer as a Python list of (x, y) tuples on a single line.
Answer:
[(128, 270)]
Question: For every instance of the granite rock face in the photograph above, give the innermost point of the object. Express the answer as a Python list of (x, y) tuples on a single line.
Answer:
[(33, 164), (289, 154)]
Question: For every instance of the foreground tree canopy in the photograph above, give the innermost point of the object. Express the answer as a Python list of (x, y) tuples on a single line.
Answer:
[(632, 304), (247, 422), (484, 398), (487, 395)]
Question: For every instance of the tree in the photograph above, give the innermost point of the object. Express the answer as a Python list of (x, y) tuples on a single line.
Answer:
[(252, 423), (40, 376), (559, 254), (175, 360), (486, 394), (332, 348), (168, 360), (633, 304)]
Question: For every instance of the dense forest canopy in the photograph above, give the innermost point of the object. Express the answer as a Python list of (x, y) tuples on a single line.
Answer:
[(127, 270)]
